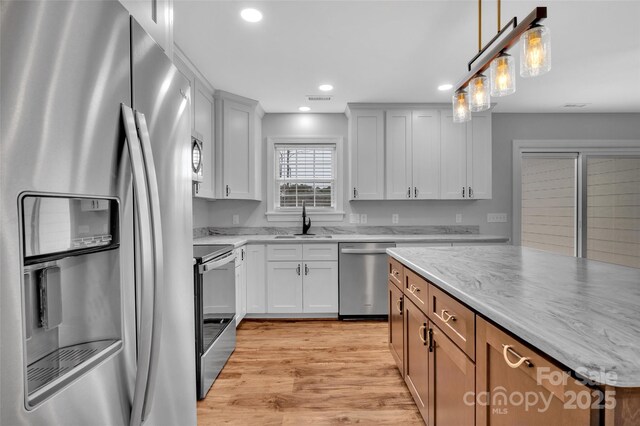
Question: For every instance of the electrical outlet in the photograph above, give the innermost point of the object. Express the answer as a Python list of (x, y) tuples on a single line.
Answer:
[(236, 219), (496, 217), (458, 217), (354, 218), (395, 218), (363, 218)]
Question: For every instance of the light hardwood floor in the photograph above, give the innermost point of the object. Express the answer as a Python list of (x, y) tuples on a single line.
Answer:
[(309, 372)]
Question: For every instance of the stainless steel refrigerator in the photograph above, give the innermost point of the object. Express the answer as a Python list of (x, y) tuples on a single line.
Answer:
[(96, 297)]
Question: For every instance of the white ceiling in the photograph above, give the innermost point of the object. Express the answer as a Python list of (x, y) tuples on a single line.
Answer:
[(400, 51)]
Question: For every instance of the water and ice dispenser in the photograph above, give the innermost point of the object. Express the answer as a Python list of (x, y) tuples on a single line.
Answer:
[(71, 288)]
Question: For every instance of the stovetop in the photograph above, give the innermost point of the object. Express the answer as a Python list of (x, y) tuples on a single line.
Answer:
[(205, 253)]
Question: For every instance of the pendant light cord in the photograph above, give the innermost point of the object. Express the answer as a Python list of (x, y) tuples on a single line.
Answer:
[(499, 13), (479, 25)]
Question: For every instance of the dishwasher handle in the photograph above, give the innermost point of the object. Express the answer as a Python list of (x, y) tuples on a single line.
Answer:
[(364, 251), (206, 267)]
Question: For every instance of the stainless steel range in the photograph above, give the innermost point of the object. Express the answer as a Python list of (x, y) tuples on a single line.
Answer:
[(215, 308)]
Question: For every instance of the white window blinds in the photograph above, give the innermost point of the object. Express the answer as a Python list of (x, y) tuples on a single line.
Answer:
[(305, 173)]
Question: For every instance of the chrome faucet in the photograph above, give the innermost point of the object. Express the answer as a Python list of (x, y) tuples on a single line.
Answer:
[(306, 224)]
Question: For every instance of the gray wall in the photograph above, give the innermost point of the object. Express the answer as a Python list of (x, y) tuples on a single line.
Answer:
[(506, 128)]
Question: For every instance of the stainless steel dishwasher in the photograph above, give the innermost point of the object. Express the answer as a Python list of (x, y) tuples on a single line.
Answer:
[(363, 279)]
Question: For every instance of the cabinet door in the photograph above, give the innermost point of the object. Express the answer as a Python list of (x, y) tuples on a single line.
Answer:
[(241, 292), (284, 287), (453, 158), (320, 287), (237, 150), (425, 154), (396, 326), (256, 280), (560, 400), (203, 126), (366, 155), (416, 352), (398, 158), (479, 154), (451, 380)]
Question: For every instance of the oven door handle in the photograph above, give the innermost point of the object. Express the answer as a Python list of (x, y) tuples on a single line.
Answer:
[(364, 251), (206, 267)]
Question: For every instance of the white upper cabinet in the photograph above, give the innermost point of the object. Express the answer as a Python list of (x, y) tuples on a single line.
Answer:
[(453, 157), (203, 126), (366, 155), (156, 17), (479, 154), (413, 154), (425, 154), (202, 122), (239, 133), (398, 155), (466, 152)]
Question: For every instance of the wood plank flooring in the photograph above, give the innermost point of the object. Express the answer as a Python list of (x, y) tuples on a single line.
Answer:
[(309, 372)]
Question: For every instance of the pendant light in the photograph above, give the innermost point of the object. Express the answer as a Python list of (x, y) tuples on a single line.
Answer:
[(461, 111), (535, 53), (479, 96)]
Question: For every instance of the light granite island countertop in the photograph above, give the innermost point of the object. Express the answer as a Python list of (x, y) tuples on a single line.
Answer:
[(583, 313)]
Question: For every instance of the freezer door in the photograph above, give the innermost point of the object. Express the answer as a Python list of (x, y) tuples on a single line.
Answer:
[(161, 93), (65, 70)]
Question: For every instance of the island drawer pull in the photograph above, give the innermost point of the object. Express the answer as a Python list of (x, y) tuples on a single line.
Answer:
[(395, 272), (448, 317), (413, 289), (422, 331), (523, 360), (399, 305)]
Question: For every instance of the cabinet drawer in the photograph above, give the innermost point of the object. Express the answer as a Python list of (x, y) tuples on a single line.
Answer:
[(396, 272), (284, 252), (454, 319), (416, 288), (505, 365), (320, 252)]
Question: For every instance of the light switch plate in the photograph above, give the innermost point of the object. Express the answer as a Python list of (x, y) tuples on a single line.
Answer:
[(363, 218), (458, 217), (496, 217), (354, 218), (395, 218), (236, 219)]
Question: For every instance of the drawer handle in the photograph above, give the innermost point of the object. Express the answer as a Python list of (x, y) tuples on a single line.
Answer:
[(424, 336), (446, 316), (523, 360), (395, 272), (399, 305), (413, 289)]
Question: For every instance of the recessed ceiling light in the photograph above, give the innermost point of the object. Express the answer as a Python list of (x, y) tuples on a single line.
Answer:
[(304, 109), (444, 87), (325, 87), (251, 15)]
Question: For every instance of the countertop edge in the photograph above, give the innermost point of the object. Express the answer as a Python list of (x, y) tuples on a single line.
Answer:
[(537, 342)]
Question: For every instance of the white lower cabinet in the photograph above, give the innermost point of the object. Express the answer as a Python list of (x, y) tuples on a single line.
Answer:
[(318, 295), (241, 284), (256, 279), (303, 286)]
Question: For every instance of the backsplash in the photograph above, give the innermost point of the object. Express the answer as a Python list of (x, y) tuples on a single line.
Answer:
[(323, 230)]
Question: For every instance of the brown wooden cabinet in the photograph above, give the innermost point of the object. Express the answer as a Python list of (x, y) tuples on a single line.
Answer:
[(396, 325), (516, 385), (416, 360), (451, 383)]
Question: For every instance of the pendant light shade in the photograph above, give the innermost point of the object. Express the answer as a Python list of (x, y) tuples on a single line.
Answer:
[(480, 99), (535, 54), (503, 75), (461, 111)]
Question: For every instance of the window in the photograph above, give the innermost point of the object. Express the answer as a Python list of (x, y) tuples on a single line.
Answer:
[(304, 169), (584, 203), (305, 174)]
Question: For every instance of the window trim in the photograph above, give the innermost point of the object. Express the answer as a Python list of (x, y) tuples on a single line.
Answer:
[(584, 148), (335, 214)]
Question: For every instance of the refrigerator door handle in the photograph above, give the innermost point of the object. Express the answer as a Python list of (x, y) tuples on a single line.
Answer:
[(146, 264), (158, 262)]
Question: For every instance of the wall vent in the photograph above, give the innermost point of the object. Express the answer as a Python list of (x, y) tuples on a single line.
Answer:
[(318, 97)]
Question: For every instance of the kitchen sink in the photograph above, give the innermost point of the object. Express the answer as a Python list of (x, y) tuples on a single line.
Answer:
[(295, 237)]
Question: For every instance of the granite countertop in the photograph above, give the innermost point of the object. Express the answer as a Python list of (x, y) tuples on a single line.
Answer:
[(240, 240), (583, 313)]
